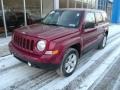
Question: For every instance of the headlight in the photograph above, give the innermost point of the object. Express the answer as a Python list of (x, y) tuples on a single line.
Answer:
[(41, 45)]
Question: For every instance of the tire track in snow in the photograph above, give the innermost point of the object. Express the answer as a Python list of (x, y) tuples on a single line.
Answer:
[(9, 68), (4, 58), (101, 70), (116, 85), (40, 81), (9, 62), (113, 37), (16, 75), (108, 78), (30, 78), (97, 63)]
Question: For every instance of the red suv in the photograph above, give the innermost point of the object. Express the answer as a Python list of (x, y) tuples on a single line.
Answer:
[(60, 39)]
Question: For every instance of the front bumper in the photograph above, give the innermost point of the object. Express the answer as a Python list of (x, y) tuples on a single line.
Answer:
[(38, 64), (44, 61)]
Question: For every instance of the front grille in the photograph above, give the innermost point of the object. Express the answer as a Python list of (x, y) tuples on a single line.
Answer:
[(24, 42)]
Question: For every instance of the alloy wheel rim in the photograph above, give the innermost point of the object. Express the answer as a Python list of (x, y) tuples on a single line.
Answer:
[(70, 63)]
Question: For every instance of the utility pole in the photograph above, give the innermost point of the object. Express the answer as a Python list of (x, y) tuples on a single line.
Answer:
[(25, 12), (4, 20)]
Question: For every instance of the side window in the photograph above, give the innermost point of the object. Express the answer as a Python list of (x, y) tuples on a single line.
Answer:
[(90, 17), (89, 20), (104, 17), (99, 18)]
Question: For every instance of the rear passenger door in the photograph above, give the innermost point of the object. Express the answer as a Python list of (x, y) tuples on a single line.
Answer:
[(100, 25), (89, 31)]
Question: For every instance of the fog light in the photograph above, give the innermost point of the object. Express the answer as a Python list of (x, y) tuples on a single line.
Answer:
[(29, 64)]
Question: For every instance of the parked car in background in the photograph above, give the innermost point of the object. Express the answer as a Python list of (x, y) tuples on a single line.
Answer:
[(61, 38), (15, 19)]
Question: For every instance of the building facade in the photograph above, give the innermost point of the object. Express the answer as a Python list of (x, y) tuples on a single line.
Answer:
[(106, 5), (23, 12), (116, 11)]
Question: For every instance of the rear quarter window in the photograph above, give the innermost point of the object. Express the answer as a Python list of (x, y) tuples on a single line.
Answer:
[(99, 17), (104, 17)]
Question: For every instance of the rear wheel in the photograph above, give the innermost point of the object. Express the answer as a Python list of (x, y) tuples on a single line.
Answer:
[(102, 44), (69, 62)]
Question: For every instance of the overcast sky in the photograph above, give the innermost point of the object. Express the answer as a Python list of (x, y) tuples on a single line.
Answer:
[(111, 0)]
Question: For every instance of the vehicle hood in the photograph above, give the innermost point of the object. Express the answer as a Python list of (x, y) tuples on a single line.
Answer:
[(46, 32)]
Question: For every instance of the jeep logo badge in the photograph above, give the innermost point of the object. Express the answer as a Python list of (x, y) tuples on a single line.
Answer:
[(24, 32)]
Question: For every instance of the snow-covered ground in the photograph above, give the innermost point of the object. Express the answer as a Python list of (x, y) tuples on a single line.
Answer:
[(92, 68), (5, 41), (4, 50)]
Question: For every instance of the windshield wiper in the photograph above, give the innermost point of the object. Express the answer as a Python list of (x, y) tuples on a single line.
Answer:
[(52, 24)]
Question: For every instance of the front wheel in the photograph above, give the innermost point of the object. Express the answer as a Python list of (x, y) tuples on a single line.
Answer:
[(69, 62)]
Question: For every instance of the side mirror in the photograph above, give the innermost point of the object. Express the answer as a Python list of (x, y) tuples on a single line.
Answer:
[(89, 25)]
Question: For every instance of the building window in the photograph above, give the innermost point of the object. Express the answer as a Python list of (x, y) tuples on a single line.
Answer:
[(14, 14), (102, 4), (77, 3), (63, 3), (71, 3), (47, 8)]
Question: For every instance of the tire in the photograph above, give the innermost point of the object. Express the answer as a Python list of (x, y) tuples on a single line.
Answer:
[(69, 63), (102, 44)]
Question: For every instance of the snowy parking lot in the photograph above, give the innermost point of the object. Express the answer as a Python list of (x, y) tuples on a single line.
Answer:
[(96, 70)]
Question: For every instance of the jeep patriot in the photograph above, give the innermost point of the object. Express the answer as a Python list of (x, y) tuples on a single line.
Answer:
[(60, 39)]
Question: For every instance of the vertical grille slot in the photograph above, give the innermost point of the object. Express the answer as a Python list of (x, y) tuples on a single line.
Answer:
[(28, 44), (32, 45), (23, 42), (17, 40)]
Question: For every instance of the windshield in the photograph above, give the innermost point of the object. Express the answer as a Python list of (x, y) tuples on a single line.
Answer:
[(63, 18)]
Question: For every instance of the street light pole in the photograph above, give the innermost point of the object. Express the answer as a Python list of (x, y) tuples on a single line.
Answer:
[(4, 20), (25, 12), (56, 4), (41, 4), (68, 2), (82, 3), (75, 4)]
